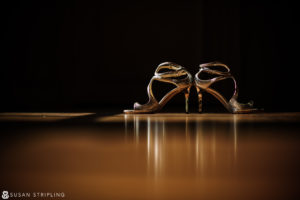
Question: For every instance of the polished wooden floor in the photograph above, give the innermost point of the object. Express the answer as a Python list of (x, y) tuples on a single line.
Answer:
[(159, 156)]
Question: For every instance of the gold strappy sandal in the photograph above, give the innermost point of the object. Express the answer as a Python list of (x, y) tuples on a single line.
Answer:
[(178, 76), (232, 105)]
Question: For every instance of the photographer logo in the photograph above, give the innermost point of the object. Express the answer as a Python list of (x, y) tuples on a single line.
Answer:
[(39, 195), (5, 195)]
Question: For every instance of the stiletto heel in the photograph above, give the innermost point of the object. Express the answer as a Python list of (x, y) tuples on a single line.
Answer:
[(186, 95), (232, 105), (199, 99), (177, 75)]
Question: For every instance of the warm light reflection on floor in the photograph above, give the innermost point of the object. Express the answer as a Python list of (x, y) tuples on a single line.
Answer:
[(31, 116), (197, 145), (160, 156)]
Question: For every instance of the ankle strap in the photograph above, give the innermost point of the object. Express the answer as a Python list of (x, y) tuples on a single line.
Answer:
[(206, 67), (175, 72), (221, 75)]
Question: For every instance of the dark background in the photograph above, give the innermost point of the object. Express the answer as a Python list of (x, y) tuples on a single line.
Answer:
[(94, 55)]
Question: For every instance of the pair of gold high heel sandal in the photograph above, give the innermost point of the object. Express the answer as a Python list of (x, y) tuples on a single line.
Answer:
[(183, 80)]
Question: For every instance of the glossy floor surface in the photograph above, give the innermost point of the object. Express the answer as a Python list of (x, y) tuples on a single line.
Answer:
[(158, 156)]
